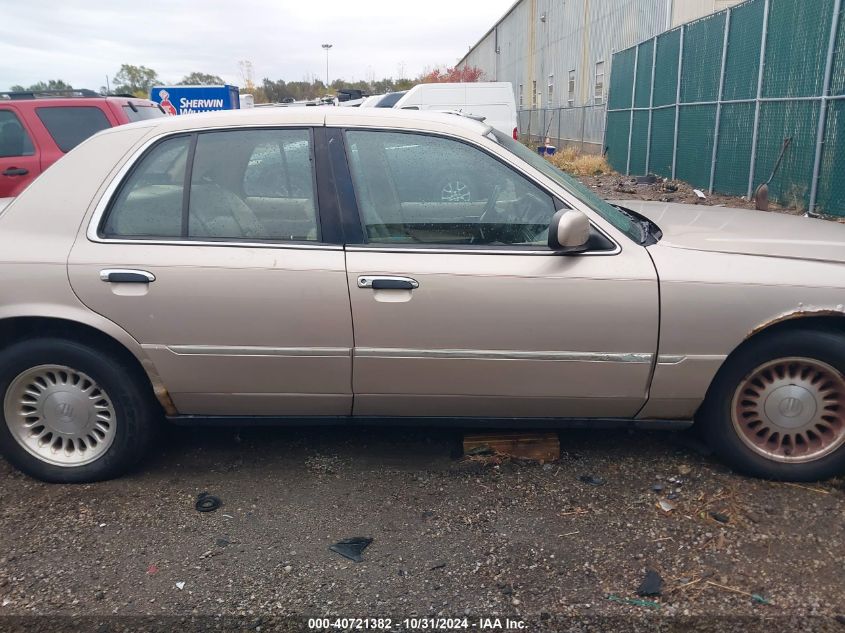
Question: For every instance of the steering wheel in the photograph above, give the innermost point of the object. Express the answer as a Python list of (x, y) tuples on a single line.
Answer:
[(489, 208)]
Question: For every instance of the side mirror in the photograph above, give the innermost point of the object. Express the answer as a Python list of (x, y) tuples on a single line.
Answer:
[(569, 231)]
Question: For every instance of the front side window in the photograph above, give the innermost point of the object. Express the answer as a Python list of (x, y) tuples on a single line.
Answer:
[(70, 125), (428, 190), (241, 185), (586, 195), (14, 141)]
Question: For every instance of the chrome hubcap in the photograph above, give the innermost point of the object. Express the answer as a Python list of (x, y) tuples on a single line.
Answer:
[(791, 410), (455, 191), (59, 415)]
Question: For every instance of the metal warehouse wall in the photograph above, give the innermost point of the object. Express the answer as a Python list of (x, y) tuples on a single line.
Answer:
[(714, 102), (543, 40)]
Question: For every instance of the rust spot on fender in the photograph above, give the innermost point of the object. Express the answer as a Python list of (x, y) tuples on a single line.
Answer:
[(797, 314), (159, 389)]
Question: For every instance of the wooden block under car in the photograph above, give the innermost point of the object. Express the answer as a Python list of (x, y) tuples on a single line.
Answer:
[(543, 447)]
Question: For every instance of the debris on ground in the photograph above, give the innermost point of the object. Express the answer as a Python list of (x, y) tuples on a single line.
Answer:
[(720, 517), (541, 447), (665, 505), (352, 548), (652, 584), (637, 602), (657, 488), (755, 597), (592, 480), (152, 569), (207, 502), (437, 566), (699, 194), (180, 585), (613, 186)]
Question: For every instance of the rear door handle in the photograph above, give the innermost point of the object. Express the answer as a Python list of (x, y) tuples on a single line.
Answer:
[(16, 171), (126, 276), (377, 282)]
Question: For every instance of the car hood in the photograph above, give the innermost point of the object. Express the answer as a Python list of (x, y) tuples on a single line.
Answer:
[(743, 231)]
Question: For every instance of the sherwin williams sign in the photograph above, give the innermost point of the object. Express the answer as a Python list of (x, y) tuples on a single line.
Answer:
[(190, 99)]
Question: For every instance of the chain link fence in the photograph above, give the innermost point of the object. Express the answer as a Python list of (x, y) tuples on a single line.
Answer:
[(715, 101), (579, 126)]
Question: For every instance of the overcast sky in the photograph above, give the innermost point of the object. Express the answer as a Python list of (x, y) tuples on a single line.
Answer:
[(81, 41)]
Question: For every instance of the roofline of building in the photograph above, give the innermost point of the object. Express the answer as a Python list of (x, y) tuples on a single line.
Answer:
[(490, 30)]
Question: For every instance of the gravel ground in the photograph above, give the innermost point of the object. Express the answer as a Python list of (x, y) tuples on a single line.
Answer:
[(452, 537), (618, 187)]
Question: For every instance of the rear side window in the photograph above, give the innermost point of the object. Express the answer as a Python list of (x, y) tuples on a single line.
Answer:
[(242, 185), (142, 113), (150, 200), (71, 125), (14, 141)]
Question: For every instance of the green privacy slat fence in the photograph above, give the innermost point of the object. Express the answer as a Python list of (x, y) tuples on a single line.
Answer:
[(723, 126)]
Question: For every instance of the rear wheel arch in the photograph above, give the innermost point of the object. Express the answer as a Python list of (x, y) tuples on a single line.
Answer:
[(16, 329)]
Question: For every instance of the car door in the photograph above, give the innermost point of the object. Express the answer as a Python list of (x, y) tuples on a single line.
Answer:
[(459, 307), (214, 253), (19, 159)]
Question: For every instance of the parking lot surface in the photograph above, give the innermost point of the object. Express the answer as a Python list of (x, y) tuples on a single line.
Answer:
[(451, 537)]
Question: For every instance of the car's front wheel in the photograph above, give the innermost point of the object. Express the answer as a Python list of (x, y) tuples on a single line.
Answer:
[(72, 413), (777, 408)]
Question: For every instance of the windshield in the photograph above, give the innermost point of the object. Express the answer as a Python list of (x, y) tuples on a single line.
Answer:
[(610, 213), (389, 100)]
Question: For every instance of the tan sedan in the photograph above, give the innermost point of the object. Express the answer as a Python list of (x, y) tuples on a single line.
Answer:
[(319, 264)]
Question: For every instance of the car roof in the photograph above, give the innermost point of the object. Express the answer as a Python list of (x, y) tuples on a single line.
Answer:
[(46, 102), (317, 116)]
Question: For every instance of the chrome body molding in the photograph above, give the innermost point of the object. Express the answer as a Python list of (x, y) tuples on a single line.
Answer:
[(472, 354), (211, 350), (674, 359)]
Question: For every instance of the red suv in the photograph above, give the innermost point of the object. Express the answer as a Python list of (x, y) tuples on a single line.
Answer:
[(38, 128)]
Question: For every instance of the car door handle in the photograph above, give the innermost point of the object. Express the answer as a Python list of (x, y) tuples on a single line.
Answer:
[(377, 282), (16, 171), (126, 276)]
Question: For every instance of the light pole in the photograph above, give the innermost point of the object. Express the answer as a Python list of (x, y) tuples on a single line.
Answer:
[(326, 47)]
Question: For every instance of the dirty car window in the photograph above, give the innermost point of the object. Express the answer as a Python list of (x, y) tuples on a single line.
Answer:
[(579, 190)]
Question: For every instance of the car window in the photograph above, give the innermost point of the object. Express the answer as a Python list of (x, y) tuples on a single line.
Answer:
[(389, 100), (420, 189), (71, 125), (610, 213), (244, 185), (255, 184), (14, 141), (142, 112), (150, 200)]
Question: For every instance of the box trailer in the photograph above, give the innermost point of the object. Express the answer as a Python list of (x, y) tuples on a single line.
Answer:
[(190, 99)]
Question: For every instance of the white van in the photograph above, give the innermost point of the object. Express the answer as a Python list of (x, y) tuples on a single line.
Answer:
[(492, 100)]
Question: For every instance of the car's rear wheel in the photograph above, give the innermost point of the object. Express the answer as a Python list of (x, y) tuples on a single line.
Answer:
[(777, 408), (72, 413)]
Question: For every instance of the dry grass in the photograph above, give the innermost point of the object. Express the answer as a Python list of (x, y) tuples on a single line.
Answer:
[(572, 162)]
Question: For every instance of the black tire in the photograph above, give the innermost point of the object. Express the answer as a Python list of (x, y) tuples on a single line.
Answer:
[(715, 419), (136, 413)]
